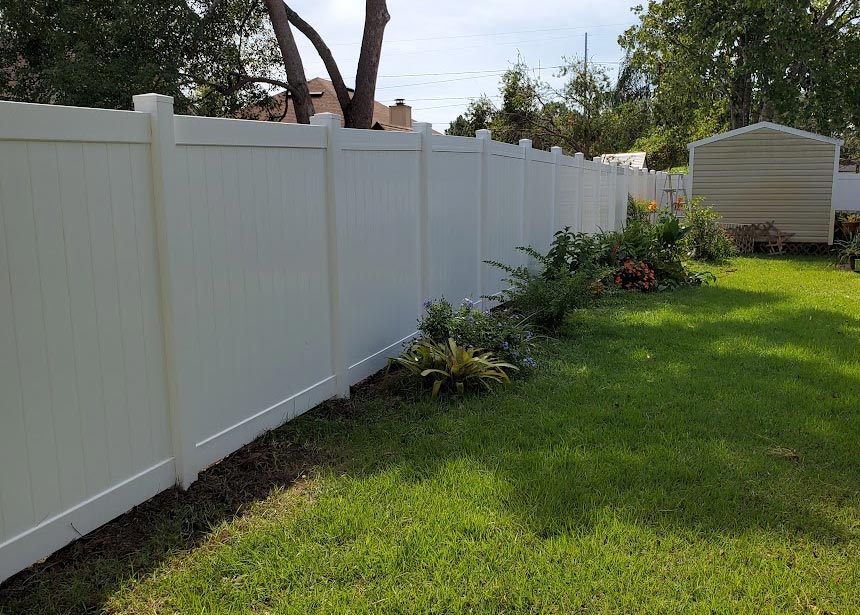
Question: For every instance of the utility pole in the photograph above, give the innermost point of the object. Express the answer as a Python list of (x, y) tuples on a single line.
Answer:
[(587, 101), (585, 66)]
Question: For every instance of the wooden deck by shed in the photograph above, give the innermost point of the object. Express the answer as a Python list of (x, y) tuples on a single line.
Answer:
[(769, 172)]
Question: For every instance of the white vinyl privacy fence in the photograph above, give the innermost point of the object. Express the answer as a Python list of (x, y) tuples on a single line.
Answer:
[(171, 287)]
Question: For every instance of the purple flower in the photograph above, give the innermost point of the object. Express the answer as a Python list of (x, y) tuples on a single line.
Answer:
[(528, 335), (505, 345), (528, 361), (427, 303), (468, 303)]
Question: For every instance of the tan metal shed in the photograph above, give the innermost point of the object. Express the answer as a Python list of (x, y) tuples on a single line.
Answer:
[(767, 171)]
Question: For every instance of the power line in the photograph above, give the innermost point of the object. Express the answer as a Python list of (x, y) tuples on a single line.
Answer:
[(460, 72), (472, 75), (436, 38), (496, 70), (443, 98), (437, 107), (409, 85)]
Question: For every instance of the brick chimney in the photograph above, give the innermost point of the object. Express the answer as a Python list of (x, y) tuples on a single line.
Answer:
[(400, 114)]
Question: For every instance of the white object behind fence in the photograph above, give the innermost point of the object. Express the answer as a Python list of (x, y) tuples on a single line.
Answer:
[(846, 192), (171, 287)]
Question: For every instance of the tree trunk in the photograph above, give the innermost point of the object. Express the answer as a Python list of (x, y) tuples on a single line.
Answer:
[(292, 62), (360, 113)]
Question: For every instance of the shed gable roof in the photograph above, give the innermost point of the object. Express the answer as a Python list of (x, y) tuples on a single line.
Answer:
[(778, 127)]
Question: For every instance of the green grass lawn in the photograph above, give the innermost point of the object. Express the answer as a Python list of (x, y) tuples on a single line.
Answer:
[(687, 452)]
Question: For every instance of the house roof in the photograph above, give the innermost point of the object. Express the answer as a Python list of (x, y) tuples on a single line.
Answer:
[(634, 159), (325, 101), (778, 127)]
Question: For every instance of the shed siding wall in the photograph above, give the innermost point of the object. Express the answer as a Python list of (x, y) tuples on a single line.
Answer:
[(769, 175)]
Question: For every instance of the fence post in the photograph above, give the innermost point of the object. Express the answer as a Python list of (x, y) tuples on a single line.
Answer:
[(612, 206), (172, 232), (526, 144), (598, 197), (340, 361), (651, 186), (426, 132), (484, 137), (556, 191), (579, 163)]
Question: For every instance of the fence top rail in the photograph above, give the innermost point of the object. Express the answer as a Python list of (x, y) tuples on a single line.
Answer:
[(508, 150), (379, 140), (450, 143), (34, 122), (192, 130), (542, 156)]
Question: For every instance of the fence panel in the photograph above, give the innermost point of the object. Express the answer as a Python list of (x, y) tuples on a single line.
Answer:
[(571, 193), (846, 192), (378, 244), (85, 431), (259, 331), (454, 213), (503, 220), (539, 201)]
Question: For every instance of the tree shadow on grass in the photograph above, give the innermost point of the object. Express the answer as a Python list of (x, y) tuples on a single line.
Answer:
[(712, 419)]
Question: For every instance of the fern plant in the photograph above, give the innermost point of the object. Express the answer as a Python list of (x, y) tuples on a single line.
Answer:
[(452, 367)]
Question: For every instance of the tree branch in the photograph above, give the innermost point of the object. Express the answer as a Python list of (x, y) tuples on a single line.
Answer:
[(361, 109), (325, 54), (292, 60)]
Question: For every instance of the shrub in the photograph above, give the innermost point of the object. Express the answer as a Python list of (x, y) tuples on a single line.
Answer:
[(658, 244), (570, 276), (706, 241), (546, 301), (452, 366), (637, 211), (505, 334), (636, 276)]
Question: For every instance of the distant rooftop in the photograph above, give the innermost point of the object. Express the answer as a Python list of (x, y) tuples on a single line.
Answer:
[(634, 159)]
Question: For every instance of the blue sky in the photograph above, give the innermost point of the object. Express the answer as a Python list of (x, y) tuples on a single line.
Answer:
[(469, 43)]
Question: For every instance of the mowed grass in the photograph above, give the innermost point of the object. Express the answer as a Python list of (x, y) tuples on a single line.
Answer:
[(687, 452)]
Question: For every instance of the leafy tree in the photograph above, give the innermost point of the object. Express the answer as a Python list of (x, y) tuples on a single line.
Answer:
[(478, 116), (586, 114), (214, 57), (92, 53), (792, 61)]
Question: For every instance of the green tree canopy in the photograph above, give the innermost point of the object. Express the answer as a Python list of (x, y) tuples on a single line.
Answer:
[(789, 61)]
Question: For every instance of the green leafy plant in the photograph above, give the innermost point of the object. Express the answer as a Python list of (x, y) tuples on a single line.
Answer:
[(706, 241), (637, 210), (545, 300), (569, 276), (452, 367), (504, 333), (847, 250), (636, 276)]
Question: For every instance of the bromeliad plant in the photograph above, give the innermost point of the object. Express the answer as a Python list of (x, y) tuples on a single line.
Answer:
[(452, 367)]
